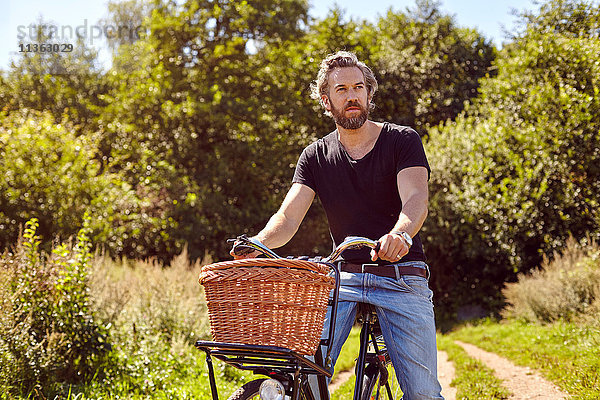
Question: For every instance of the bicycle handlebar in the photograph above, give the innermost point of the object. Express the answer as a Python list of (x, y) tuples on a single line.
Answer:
[(352, 242), (243, 243)]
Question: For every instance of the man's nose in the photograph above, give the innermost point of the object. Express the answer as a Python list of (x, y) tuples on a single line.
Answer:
[(351, 95)]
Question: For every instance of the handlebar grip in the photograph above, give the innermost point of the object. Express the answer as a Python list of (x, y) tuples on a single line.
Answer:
[(241, 250), (377, 247), (243, 245)]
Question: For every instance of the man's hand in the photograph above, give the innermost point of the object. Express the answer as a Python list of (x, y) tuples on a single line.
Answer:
[(392, 248)]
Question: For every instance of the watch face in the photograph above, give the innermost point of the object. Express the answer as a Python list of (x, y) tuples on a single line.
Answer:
[(408, 239)]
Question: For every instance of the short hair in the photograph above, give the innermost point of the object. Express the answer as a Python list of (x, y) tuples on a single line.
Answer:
[(341, 59)]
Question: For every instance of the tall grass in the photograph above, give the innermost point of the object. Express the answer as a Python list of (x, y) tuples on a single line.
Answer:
[(155, 314), (566, 288), (145, 298)]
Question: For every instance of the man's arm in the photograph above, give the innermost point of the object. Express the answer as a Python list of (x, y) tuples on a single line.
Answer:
[(283, 225), (414, 193)]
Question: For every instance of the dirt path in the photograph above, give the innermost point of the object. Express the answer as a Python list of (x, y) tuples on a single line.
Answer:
[(446, 375), (523, 382), (339, 379)]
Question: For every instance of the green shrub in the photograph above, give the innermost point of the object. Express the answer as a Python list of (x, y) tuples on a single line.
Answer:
[(519, 171), (48, 334), (565, 288)]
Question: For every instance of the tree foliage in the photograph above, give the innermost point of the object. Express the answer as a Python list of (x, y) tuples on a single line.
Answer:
[(519, 171), (192, 136), (62, 83), (428, 67)]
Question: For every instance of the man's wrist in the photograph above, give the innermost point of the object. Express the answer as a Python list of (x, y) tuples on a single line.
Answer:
[(405, 236)]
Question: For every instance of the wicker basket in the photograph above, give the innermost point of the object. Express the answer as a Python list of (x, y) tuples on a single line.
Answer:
[(274, 302)]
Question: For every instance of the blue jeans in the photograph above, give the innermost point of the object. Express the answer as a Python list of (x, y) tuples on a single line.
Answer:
[(405, 312)]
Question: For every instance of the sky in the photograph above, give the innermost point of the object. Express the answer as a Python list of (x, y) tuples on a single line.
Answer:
[(488, 17)]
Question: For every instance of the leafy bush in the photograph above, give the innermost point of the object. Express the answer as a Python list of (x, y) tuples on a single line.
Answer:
[(52, 342), (48, 332), (564, 288), (518, 172), (52, 172)]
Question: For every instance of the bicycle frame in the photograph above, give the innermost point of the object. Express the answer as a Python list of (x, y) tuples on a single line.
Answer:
[(378, 360)]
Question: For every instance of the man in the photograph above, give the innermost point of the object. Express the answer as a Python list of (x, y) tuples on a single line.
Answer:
[(372, 179)]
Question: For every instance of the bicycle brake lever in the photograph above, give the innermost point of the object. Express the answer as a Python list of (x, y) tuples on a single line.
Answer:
[(249, 244), (241, 250)]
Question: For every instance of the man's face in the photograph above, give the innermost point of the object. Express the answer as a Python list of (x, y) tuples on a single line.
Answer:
[(348, 99)]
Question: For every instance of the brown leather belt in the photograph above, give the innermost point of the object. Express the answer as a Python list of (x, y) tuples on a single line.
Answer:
[(387, 271)]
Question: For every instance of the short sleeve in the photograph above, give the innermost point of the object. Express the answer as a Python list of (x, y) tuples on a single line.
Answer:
[(304, 171), (410, 151)]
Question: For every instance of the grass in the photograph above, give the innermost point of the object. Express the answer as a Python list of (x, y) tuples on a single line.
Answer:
[(566, 353), (345, 391), (473, 379), (349, 352), (347, 361), (155, 314), (564, 288)]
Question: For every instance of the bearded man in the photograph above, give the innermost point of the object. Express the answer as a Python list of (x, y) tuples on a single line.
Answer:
[(371, 178)]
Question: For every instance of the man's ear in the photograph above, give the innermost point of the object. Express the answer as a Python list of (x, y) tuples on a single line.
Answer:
[(325, 102)]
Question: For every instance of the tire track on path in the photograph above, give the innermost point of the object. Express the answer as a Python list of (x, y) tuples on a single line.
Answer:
[(522, 382), (446, 374)]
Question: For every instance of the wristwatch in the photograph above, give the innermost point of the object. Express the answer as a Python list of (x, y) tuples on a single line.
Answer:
[(406, 237)]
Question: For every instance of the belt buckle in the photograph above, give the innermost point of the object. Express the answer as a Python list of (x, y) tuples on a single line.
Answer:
[(362, 267)]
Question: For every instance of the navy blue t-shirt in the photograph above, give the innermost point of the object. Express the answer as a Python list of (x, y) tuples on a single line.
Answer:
[(360, 197)]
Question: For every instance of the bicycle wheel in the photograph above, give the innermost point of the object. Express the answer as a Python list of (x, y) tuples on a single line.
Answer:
[(372, 391), (248, 391)]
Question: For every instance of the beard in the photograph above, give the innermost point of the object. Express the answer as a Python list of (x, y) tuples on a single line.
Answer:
[(350, 122)]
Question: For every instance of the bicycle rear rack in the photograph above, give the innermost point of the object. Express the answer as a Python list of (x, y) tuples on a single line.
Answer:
[(264, 360)]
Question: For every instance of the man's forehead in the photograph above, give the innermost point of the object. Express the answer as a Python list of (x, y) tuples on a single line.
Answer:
[(346, 76)]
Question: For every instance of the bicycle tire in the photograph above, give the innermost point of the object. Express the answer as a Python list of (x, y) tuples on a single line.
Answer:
[(372, 391), (248, 391)]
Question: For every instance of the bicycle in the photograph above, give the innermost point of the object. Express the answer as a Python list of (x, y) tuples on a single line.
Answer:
[(286, 371)]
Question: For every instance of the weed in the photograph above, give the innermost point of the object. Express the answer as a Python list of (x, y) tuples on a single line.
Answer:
[(48, 333), (567, 288)]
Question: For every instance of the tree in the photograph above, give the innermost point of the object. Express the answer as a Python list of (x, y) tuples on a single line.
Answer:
[(519, 171), (63, 83), (428, 67), (196, 129), (50, 173), (187, 125)]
